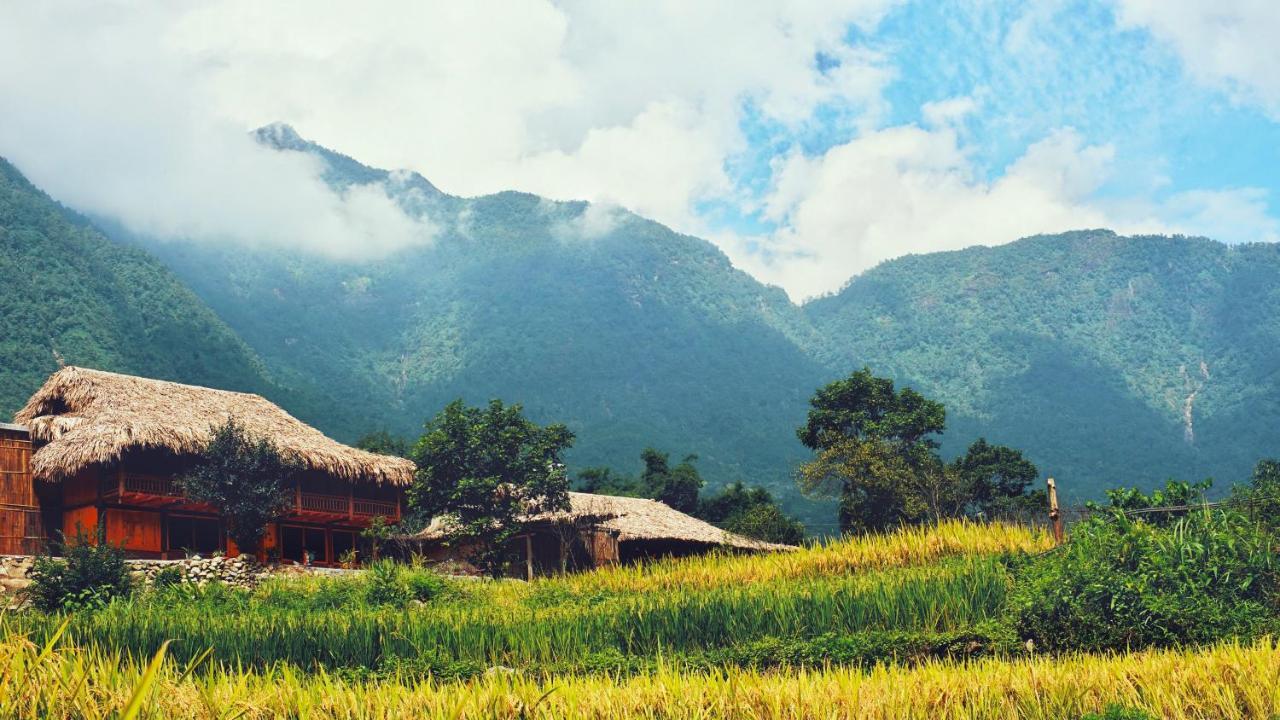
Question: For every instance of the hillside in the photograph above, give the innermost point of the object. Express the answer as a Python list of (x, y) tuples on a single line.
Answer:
[(626, 331), (70, 293), (1109, 359), (1112, 359)]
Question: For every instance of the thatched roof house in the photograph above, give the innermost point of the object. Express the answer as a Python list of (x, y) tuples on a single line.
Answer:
[(608, 529), (85, 417)]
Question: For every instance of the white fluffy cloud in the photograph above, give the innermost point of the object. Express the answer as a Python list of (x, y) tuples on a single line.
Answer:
[(911, 190), (1231, 43), (104, 119), (141, 113)]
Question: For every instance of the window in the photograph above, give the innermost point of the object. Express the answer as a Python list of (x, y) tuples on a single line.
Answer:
[(199, 535), (295, 540)]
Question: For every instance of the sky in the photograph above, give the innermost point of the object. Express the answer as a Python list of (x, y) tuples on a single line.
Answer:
[(809, 140)]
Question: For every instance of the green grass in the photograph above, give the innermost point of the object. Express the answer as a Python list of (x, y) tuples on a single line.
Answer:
[(329, 623)]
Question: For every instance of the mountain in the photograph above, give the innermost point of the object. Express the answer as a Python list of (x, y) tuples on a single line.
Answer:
[(69, 294), (1109, 360), (1113, 360), (630, 333)]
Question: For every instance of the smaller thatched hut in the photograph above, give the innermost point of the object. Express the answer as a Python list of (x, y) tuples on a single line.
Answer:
[(112, 445), (599, 530)]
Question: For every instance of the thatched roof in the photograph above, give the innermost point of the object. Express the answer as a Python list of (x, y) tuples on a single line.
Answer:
[(631, 519), (89, 416)]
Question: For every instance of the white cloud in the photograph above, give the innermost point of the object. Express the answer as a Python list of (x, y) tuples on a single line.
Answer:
[(102, 120), (1227, 43)]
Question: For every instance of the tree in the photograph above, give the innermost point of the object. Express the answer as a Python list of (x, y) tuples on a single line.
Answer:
[(875, 449), (384, 443), (677, 487), (246, 479), (994, 480), (751, 512), (604, 481), (483, 470)]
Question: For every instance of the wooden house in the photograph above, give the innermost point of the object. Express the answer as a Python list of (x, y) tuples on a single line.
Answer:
[(597, 530), (95, 449)]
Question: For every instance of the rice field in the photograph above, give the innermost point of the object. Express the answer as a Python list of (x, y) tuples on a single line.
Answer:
[(1227, 681), (547, 626), (902, 625)]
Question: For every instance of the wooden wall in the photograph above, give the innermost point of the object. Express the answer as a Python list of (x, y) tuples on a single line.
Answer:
[(21, 527)]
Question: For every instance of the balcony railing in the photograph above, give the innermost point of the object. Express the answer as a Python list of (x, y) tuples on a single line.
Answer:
[(163, 491), (150, 485)]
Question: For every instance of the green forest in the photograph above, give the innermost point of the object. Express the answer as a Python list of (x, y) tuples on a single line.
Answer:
[(1107, 360)]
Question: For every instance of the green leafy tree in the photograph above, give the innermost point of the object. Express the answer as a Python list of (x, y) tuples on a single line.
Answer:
[(875, 450), (246, 479), (676, 486), (995, 480), (604, 481), (484, 469), (384, 443), (751, 512)]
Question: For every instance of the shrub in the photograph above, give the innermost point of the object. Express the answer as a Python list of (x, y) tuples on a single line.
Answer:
[(168, 576), (386, 584), (423, 584), (91, 574), (1124, 583)]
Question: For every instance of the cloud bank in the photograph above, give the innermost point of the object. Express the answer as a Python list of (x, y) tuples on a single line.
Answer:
[(787, 118)]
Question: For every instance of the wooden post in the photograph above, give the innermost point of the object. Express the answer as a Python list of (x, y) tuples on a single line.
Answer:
[(1055, 515), (528, 555)]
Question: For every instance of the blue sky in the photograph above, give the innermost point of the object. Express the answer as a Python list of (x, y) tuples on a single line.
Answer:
[(810, 140), (1029, 74)]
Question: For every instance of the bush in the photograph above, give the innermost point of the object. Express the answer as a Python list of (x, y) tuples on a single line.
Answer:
[(389, 583), (1123, 583), (91, 574), (168, 576)]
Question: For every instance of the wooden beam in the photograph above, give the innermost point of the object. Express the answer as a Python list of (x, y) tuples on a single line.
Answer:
[(1055, 514), (528, 555)]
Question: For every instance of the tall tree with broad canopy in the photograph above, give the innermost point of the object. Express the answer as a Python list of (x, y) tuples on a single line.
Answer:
[(246, 478), (995, 480), (484, 469), (875, 450)]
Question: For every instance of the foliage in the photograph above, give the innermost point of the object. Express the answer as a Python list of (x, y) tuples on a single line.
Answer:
[(483, 469), (994, 481), (1175, 494), (676, 486), (379, 533), (91, 573), (751, 512), (246, 479), (1122, 582), (384, 443), (875, 449), (71, 295), (1231, 682), (168, 576)]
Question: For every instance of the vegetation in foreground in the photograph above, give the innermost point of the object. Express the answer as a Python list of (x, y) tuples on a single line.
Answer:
[(1227, 681)]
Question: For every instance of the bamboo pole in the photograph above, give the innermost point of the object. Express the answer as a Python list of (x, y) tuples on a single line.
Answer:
[(528, 555), (1055, 514)]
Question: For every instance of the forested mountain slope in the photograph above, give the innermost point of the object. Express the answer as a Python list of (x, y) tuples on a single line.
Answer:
[(69, 293), (1108, 359), (630, 333), (1112, 359)]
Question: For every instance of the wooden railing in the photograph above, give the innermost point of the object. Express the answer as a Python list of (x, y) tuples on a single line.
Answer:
[(158, 486), (374, 508), (346, 505), (329, 504), (142, 484)]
